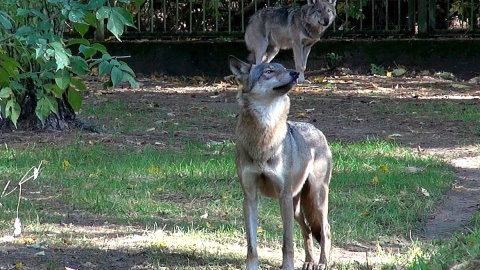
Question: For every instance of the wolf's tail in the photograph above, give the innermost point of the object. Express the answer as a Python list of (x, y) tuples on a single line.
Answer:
[(314, 205)]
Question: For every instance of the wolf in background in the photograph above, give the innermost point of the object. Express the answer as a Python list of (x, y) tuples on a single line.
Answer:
[(297, 28), (289, 161)]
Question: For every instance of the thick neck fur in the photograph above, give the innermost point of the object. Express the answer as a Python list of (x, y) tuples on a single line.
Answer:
[(262, 125)]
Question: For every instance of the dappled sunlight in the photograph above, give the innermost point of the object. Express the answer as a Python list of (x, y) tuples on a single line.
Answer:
[(91, 208)]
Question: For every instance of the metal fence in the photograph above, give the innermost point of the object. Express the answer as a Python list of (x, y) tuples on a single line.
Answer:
[(354, 17)]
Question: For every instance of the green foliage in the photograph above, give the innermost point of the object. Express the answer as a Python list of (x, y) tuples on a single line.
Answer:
[(334, 59), (377, 70), (36, 63)]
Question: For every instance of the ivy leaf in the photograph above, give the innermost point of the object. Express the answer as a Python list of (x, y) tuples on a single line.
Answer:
[(13, 111), (115, 26), (5, 20), (87, 51), (79, 65), (116, 76), (74, 98), (76, 16), (81, 28), (61, 55), (62, 79), (91, 19), (43, 109), (123, 16), (78, 84), (54, 89), (6, 92), (103, 13), (94, 4), (104, 68)]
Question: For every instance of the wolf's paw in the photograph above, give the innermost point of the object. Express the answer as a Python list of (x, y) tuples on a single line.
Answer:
[(313, 266)]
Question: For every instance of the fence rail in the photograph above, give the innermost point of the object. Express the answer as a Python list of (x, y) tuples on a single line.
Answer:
[(354, 17)]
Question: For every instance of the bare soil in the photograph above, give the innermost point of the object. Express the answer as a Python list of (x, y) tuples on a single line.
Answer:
[(346, 108)]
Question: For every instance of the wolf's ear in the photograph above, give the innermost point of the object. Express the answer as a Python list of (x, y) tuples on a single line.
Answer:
[(239, 68)]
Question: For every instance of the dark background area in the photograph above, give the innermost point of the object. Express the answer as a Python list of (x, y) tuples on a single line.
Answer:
[(209, 58)]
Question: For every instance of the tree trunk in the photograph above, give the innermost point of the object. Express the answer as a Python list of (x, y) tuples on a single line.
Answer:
[(28, 120)]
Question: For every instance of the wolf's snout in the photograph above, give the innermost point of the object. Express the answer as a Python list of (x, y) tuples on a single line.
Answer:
[(325, 22)]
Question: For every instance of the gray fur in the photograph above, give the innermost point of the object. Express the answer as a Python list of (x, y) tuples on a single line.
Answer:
[(289, 161), (297, 28)]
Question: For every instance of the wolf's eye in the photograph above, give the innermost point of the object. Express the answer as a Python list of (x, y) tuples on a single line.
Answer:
[(268, 71)]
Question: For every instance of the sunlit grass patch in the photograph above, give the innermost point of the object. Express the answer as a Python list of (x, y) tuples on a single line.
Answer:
[(380, 193), (443, 109), (380, 189)]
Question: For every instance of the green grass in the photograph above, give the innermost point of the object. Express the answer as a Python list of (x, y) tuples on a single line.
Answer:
[(376, 190), (189, 199), (461, 251), (144, 185), (447, 110)]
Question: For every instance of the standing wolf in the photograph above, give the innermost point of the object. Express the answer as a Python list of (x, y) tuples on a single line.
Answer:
[(297, 28), (290, 161)]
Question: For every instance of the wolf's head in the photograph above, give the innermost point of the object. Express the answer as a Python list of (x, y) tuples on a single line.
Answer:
[(320, 12), (266, 80)]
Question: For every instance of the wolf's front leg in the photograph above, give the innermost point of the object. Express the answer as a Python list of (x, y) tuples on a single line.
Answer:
[(286, 209), (250, 213), (300, 55)]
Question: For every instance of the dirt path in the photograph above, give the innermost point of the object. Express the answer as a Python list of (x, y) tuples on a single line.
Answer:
[(461, 202)]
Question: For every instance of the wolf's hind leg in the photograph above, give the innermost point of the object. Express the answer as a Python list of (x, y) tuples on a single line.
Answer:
[(306, 232), (272, 51)]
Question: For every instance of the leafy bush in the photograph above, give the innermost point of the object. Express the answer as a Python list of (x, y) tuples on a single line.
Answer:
[(40, 74)]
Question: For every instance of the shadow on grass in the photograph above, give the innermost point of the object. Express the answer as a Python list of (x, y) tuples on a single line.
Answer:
[(94, 258)]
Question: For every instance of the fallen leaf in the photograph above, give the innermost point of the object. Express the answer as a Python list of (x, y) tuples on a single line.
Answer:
[(384, 168), (67, 242), (424, 191), (459, 86), (66, 164), (162, 244), (399, 72), (393, 136), (27, 240), (41, 253), (260, 230), (375, 180), (389, 74), (153, 169), (301, 115), (18, 265), (412, 169), (365, 214), (446, 75)]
